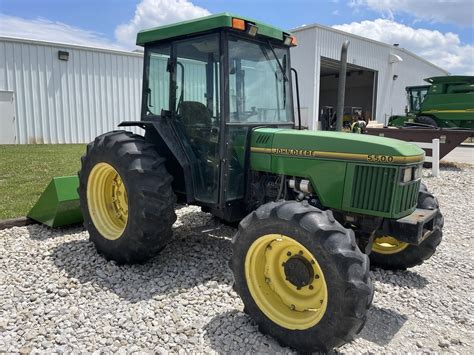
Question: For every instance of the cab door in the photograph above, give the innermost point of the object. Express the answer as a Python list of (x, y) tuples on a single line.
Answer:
[(194, 98)]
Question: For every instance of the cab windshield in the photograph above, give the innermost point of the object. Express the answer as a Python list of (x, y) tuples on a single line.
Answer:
[(416, 97), (259, 86)]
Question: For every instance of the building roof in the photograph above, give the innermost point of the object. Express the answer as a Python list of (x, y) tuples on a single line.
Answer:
[(204, 24), (348, 34), (72, 46)]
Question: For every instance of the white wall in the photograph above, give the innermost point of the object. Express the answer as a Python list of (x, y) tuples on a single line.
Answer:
[(317, 41), (302, 59), (69, 101), (411, 71), (74, 101)]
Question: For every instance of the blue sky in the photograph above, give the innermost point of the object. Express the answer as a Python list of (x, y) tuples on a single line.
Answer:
[(441, 31)]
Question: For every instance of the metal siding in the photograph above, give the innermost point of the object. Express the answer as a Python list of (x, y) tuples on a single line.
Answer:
[(73, 101), (315, 42), (303, 60)]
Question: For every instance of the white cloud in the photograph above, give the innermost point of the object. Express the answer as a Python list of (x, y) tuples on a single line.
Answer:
[(458, 12), (42, 29), (148, 14), (442, 49), (153, 13)]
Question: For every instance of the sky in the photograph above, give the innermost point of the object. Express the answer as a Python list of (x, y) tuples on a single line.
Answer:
[(441, 31)]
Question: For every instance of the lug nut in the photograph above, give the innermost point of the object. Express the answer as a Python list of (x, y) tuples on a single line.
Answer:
[(300, 252), (283, 264), (288, 254), (316, 276), (311, 287)]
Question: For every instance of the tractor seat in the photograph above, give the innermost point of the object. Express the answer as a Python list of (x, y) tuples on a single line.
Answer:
[(195, 113)]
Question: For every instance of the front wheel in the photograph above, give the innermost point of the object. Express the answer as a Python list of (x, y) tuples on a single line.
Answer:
[(391, 254), (301, 276), (426, 120)]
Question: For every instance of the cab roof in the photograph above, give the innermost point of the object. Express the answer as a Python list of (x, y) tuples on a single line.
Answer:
[(202, 24), (451, 79)]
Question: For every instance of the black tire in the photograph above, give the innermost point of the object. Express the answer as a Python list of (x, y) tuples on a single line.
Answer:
[(414, 255), (344, 266), (426, 120), (151, 200)]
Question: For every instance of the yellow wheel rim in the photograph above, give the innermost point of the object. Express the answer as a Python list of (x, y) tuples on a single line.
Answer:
[(107, 201), (286, 281), (388, 245)]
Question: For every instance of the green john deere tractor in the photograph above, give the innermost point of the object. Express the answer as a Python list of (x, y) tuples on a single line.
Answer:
[(448, 102), (219, 123)]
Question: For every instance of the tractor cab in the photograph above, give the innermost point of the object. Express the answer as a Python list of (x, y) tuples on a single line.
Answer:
[(415, 97), (207, 85)]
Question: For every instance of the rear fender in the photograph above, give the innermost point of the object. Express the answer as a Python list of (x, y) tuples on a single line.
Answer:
[(163, 136)]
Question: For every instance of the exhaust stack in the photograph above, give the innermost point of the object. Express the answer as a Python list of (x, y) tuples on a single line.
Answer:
[(341, 87)]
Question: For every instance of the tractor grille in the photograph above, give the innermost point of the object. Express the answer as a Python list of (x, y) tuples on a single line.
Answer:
[(408, 196), (378, 189), (373, 188)]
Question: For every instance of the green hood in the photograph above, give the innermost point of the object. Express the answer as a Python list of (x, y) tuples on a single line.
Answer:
[(335, 146)]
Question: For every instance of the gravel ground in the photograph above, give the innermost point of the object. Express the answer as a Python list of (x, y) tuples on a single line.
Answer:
[(57, 294)]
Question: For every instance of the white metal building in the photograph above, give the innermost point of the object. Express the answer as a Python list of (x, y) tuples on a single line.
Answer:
[(59, 93), (377, 73), (55, 93)]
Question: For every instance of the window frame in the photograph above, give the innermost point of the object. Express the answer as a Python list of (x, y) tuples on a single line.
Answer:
[(229, 34)]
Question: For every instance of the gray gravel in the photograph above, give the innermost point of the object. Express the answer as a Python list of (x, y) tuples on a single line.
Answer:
[(57, 294)]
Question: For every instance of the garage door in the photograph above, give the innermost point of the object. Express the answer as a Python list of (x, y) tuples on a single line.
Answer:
[(360, 93)]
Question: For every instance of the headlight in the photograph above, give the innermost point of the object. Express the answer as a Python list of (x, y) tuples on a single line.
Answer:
[(417, 172), (407, 174), (411, 173)]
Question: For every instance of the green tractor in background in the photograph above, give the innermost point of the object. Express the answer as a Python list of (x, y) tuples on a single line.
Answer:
[(448, 102), (219, 132)]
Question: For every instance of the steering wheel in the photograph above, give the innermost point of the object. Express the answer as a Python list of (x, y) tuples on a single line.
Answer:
[(247, 114)]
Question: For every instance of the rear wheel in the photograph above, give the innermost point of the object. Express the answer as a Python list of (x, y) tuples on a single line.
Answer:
[(301, 276), (392, 254), (126, 197)]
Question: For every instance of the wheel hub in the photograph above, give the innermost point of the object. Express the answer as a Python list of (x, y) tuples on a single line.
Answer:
[(298, 271), (119, 198)]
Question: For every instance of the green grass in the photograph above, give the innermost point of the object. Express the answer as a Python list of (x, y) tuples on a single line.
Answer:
[(25, 171)]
